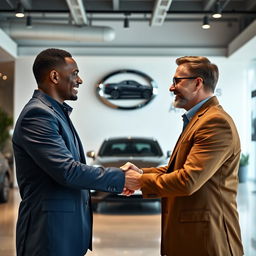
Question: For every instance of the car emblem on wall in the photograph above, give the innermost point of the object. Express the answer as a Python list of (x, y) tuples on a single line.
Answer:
[(126, 89)]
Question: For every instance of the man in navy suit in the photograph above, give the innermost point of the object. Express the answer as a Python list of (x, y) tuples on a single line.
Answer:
[(55, 216)]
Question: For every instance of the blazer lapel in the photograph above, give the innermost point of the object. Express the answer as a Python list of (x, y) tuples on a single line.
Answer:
[(68, 125), (211, 102), (45, 99), (81, 150), (80, 147)]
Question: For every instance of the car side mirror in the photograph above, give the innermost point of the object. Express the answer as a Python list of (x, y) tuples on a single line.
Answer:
[(91, 154), (169, 152)]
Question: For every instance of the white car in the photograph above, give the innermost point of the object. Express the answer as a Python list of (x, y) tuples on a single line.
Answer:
[(114, 152)]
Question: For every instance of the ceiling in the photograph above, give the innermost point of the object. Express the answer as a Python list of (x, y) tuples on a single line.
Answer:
[(97, 26), (181, 9)]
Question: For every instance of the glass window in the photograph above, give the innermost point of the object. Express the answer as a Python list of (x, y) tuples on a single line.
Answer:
[(130, 147)]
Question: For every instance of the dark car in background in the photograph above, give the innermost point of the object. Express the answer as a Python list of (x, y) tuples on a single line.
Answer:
[(114, 152), (128, 89), (6, 179)]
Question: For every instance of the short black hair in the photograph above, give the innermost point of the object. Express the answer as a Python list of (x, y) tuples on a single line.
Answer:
[(47, 60)]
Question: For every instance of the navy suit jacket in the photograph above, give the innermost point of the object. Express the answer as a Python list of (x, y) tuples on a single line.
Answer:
[(55, 217)]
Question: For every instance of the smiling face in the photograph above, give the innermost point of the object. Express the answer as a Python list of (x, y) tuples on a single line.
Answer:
[(186, 89), (67, 81)]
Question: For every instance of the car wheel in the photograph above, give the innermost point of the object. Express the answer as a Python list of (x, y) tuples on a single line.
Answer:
[(5, 190), (146, 94), (115, 94)]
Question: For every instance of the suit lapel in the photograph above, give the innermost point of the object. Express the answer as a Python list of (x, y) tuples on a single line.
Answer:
[(46, 100), (68, 124), (78, 143), (211, 102), (81, 150)]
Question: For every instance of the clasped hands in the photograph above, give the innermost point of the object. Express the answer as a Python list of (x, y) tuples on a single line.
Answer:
[(132, 178)]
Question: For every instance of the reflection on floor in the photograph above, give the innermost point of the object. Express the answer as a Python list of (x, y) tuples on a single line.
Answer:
[(247, 214), (126, 230)]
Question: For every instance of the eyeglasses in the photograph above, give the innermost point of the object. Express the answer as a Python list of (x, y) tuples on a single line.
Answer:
[(175, 80)]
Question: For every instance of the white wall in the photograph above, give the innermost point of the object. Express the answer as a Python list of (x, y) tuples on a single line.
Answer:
[(95, 121), (251, 77)]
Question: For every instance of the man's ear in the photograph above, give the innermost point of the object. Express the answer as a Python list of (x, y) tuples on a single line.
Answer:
[(54, 76), (199, 82)]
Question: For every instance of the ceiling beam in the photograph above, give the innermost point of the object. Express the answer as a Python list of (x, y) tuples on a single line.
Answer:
[(159, 12), (225, 4), (115, 4), (243, 46), (9, 3), (208, 4), (77, 10), (26, 4), (250, 4)]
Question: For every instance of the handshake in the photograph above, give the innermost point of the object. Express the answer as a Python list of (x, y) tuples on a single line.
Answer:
[(132, 178)]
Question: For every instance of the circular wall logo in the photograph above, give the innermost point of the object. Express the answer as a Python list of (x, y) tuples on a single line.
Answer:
[(126, 89)]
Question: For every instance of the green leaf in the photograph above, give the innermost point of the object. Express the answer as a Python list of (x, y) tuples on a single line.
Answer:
[(5, 124), (244, 159)]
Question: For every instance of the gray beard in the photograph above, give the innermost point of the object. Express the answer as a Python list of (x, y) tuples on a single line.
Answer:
[(180, 103)]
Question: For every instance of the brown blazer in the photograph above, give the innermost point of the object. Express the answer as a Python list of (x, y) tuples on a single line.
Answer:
[(199, 187)]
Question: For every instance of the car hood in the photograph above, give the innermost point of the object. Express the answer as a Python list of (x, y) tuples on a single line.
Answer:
[(139, 161)]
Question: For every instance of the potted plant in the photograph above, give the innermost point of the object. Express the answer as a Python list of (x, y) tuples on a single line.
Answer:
[(243, 167), (5, 124)]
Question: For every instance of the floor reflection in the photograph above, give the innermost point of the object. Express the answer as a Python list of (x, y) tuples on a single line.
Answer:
[(247, 216), (127, 229), (131, 229)]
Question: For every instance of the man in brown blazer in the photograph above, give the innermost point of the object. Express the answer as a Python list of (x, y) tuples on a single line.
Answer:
[(199, 185)]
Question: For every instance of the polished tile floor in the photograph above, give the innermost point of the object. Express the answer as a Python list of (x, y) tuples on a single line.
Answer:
[(127, 230)]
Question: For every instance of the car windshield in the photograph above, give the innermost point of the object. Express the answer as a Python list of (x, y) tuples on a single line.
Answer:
[(130, 147)]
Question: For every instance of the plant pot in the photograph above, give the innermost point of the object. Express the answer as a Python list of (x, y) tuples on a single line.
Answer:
[(242, 173)]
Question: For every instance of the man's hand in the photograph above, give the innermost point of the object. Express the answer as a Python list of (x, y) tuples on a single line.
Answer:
[(127, 192), (132, 180), (131, 166)]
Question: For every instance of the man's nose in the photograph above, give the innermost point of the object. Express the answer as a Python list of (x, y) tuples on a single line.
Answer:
[(80, 81), (171, 88)]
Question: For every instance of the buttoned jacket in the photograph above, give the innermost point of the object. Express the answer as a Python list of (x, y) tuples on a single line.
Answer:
[(55, 216), (199, 186)]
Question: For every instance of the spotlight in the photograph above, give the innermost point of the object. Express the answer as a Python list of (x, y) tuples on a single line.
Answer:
[(29, 21), (217, 12), (206, 24), (20, 10), (126, 22)]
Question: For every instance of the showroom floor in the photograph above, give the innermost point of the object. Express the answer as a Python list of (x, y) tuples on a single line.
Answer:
[(125, 230)]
